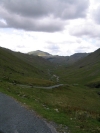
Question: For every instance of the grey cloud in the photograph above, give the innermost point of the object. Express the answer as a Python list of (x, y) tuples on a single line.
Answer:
[(81, 49), (87, 29), (2, 25), (20, 46), (72, 9), (33, 8), (53, 48), (40, 8), (96, 15), (98, 44), (31, 15), (35, 24)]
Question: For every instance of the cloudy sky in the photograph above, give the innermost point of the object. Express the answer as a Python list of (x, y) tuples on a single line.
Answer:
[(62, 27)]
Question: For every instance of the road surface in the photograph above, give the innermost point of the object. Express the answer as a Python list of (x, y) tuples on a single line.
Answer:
[(15, 118), (40, 87)]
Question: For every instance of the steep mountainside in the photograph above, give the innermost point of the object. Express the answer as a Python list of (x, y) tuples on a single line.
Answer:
[(67, 60), (36, 61), (16, 67), (28, 69), (84, 71), (91, 59), (60, 60)]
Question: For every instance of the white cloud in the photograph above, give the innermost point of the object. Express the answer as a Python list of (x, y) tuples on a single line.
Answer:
[(60, 26)]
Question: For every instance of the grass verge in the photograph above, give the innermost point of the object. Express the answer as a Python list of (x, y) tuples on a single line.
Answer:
[(76, 107)]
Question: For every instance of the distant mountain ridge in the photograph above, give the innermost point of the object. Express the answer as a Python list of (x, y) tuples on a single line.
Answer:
[(60, 60), (39, 53), (24, 68)]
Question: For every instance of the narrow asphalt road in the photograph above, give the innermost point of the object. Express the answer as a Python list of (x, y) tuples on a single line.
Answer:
[(14, 118), (41, 87)]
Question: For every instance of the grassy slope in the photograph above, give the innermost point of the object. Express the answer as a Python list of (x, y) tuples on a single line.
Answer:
[(83, 71), (36, 61), (73, 106), (15, 69)]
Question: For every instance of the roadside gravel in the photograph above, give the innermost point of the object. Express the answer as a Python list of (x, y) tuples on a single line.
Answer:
[(15, 118)]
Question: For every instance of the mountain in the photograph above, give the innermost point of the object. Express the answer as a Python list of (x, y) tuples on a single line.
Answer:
[(84, 71), (36, 61), (91, 59), (67, 60), (22, 68), (39, 53), (78, 56), (60, 60), (29, 69), (75, 104)]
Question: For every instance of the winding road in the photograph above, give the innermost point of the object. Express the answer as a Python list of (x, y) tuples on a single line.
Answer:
[(41, 87), (15, 118)]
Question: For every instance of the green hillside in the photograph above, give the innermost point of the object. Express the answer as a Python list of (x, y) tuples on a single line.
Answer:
[(36, 61), (83, 71), (74, 106), (18, 68)]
